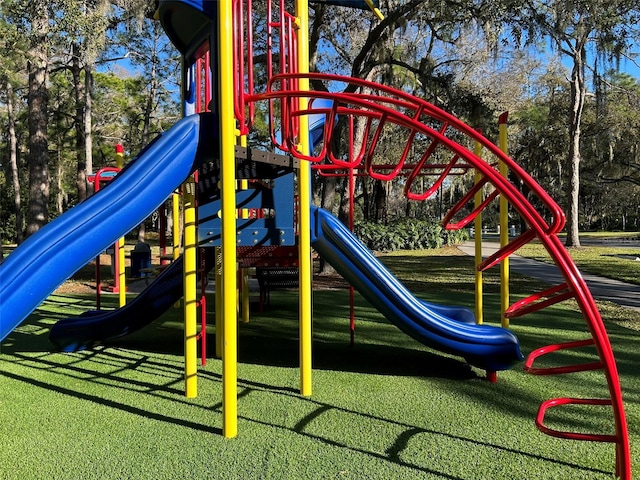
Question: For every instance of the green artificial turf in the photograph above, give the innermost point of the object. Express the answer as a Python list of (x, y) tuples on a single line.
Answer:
[(386, 408)]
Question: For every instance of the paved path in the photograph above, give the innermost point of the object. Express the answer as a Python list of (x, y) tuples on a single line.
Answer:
[(625, 294)]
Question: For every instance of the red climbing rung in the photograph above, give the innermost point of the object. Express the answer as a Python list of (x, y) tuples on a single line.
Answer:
[(556, 402), (553, 295), (507, 250), (423, 160), (581, 367), (466, 199)]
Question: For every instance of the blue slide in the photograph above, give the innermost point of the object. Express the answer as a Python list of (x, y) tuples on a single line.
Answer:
[(98, 326), (442, 328), (54, 253)]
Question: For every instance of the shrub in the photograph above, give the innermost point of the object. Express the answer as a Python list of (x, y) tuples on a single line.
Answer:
[(406, 234)]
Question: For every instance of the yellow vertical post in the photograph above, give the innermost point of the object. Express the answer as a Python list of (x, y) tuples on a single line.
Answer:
[(374, 9), (175, 204), (245, 303), (122, 277), (190, 290), (228, 209), (245, 296), (218, 267), (477, 228), (504, 225), (304, 207)]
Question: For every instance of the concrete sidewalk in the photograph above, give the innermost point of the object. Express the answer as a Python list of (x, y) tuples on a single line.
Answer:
[(624, 294)]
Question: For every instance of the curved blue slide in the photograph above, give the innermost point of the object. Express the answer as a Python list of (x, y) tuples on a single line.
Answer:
[(98, 326), (442, 328), (54, 253)]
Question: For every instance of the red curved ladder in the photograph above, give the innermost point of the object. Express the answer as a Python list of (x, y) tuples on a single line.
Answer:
[(380, 110), (446, 146)]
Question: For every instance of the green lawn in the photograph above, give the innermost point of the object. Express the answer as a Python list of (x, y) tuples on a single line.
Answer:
[(387, 408)]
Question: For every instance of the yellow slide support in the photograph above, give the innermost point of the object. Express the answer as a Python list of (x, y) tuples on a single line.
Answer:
[(477, 237), (175, 213), (304, 208), (228, 209), (190, 290), (122, 277), (504, 226)]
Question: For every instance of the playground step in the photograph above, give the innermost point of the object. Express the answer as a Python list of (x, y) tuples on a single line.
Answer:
[(556, 402), (539, 352), (535, 302)]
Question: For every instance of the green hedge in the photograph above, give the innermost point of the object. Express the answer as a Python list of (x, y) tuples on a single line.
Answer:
[(407, 234)]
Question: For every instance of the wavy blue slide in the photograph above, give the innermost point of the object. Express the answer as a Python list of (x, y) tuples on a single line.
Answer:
[(442, 328), (53, 254), (97, 326)]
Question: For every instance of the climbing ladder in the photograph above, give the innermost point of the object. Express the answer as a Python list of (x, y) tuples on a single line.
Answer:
[(437, 142), (384, 112)]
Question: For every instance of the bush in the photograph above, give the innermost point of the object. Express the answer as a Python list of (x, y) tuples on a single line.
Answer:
[(406, 234)]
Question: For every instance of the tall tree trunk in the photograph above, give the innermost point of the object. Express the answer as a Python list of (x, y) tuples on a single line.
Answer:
[(328, 193), (38, 103), (578, 93), (61, 194), (88, 117), (366, 199), (146, 132), (78, 88), (13, 160), (380, 201)]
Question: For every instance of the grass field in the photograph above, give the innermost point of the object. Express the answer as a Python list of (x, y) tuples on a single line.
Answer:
[(387, 408)]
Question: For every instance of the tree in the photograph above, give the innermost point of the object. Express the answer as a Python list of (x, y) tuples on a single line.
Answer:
[(405, 51), (600, 28), (38, 101), (12, 51), (538, 137), (611, 170)]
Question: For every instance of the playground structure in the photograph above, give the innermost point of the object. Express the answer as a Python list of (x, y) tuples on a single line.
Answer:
[(216, 40)]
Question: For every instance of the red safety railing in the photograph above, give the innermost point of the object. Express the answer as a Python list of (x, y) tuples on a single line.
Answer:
[(243, 74)]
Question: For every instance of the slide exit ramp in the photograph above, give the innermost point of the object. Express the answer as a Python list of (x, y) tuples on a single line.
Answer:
[(484, 346)]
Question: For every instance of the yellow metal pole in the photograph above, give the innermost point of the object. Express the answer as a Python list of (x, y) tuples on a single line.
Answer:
[(190, 290), (122, 277), (304, 208), (477, 227), (228, 209), (374, 9), (245, 274), (504, 225), (175, 201), (245, 296), (219, 322)]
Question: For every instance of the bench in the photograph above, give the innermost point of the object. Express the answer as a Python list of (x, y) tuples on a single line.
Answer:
[(275, 278)]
